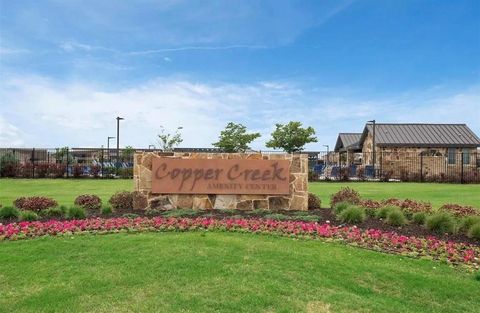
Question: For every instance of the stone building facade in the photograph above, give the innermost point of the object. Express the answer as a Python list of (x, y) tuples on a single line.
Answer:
[(296, 200)]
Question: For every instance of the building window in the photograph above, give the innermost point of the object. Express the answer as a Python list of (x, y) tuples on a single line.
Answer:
[(466, 156), (451, 156)]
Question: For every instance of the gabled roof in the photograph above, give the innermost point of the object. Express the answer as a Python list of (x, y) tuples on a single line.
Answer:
[(348, 141), (422, 135)]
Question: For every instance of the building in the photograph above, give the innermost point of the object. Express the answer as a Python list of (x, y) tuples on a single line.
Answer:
[(348, 147), (427, 149)]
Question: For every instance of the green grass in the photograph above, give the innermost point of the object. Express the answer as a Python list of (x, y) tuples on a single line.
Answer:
[(437, 194), (63, 190), (221, 272)]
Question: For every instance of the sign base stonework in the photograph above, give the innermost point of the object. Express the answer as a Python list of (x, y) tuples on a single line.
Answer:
[(278, 183)]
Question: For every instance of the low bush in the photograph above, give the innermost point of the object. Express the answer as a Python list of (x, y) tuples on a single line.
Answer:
[(314, 202), (419, 218), (345, 195), (28, 216), (340, 207), (58, 170), (305, 218), (106, 210), (34, 203), (89, 202), (54, 212), (95, 170), (181, 213), (352, 214), (395, 217), (459, 210), (77, 171), (9, 212), (122, 200), (277, 216), (130, 215), (474, 231), (76, 212), (468, 221), (383, 212), (441, 223)]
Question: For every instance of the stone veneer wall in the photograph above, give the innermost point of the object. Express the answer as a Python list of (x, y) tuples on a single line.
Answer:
[(145, 199)]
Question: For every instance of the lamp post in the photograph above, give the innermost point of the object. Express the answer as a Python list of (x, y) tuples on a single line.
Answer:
[(118, 140), (374, 144), (108, 147), (328, 153)]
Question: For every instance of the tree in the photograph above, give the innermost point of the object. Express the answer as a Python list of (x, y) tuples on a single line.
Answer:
[(291, 137), (127, 153), (234, 138), (168, 141)]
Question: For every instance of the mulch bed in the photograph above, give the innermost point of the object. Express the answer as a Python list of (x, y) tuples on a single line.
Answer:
[(324, 215)]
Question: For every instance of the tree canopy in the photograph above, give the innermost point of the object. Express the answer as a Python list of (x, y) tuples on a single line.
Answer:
[(234, 138), (291, 137)]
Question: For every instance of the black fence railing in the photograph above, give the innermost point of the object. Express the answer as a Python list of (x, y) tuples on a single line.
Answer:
[(425, 166)]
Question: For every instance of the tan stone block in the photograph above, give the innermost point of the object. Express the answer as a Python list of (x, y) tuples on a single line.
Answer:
[(226, 202), (251, 197), (245, 205), (277, 156), (299, 203), (201, 203), (159, 202), (260, 204), (296, 165), (278, 203), (184, 201), (254, 156)]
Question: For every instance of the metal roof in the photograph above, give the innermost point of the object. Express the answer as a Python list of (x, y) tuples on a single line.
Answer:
[(422, 135), (348, 141)]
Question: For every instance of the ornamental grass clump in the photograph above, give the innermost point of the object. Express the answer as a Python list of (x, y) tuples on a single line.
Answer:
[(352, 214), (441, 223), (122, 200), (314, 202), (383, 211), (345, 194), (106, 210), (474, 231), (340, 207), (395, 217), (54, 212), (419, 218), (36, 203), (28, 216), (468, 222), (76, 212), (9, 212), (89, 202)]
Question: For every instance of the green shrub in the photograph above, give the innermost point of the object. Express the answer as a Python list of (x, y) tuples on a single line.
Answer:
[(28, 216), (36, 203), (383, 211), (259, 212), (419, 218), (130, 215), (276, 216), (122, 200), (340, 207), (314, 202), (395, 217), (54, 212), (352, 214), (305, 218), (76, 212), (474, 231), (180, 213), (106, 210), (441, 223), (9, 212), (468, 222)]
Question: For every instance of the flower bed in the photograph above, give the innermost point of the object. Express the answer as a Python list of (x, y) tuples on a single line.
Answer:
[(430, 247)]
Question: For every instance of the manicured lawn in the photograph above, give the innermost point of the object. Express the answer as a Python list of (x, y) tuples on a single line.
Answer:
[(437, 194), (62, 190), (65, 190), (223, 272)]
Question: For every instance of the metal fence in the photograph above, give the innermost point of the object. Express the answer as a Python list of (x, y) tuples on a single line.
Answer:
[(459, 167), (388, 166)]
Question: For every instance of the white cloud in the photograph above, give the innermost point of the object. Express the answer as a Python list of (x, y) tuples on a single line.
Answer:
[(44, 112), (10, 136)]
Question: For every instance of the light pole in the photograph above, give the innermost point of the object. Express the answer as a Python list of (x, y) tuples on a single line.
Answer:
[(328, 152), (108, 147), (118, 140), (373, 142)]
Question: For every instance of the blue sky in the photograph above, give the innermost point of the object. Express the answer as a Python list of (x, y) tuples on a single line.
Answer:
[(67, 68)]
